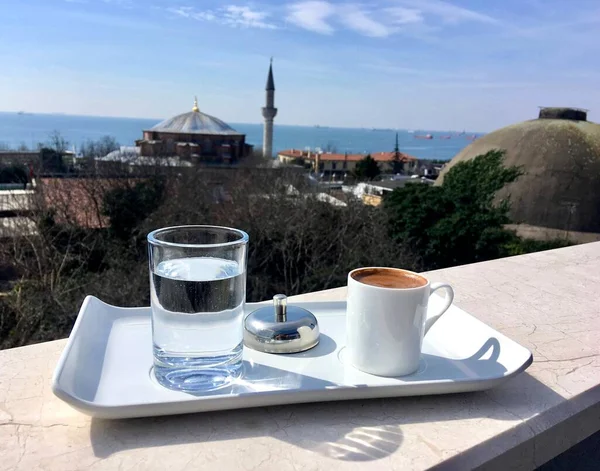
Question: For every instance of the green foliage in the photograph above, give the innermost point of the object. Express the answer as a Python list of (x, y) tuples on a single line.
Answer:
[(458, 222), (366, 169), (127, 207), (520, 246), (474, 184), (13, 174), (297, 242)]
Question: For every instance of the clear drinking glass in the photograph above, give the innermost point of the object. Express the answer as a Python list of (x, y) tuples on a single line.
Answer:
[(198, 291)]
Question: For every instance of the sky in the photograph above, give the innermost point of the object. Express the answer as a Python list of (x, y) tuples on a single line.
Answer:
[(417, 64)]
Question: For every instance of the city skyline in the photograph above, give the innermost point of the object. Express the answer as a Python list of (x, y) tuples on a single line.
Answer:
[(396, 64)]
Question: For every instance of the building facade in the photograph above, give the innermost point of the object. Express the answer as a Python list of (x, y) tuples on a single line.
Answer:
[(194, 137), (373, 193), (337, 165)]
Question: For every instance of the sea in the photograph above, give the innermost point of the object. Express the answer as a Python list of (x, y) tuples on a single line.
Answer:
[(17, 129)]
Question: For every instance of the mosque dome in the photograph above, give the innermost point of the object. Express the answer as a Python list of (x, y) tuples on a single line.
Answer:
[(195, 122), (559, 154)]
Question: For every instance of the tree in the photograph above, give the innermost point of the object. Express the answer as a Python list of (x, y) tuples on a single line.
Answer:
[(458, 222), (474, 184), (52, 161), (13, 174), (366, 169), (127, 207), (298, 242), (57, 142), (53, 263), (103, 146), (255, 159)]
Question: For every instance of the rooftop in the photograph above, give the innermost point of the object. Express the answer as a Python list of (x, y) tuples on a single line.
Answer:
[(20, 152), (195, 122), (330, 156), (559, 154)]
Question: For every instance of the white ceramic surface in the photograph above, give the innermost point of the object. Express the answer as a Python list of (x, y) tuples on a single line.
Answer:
[(105, 369), (385, 326)]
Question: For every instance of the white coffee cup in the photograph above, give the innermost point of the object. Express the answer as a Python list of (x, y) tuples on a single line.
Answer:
[(386, 319)]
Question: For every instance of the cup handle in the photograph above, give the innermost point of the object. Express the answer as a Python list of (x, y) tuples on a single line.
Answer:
[(447, 303)]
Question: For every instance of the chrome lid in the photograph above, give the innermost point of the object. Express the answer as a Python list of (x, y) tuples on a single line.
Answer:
[(281, 328)]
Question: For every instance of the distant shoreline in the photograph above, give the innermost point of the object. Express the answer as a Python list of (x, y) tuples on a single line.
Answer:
[(233, 123), (17, 130)]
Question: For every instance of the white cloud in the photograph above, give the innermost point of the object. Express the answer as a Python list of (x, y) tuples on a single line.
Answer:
[(413, 17), (355, 18), (231, 15), (246, 17), (406, 16), (205, 15), (190, 12), (181, 11), (312, 15), (403, 16), (447, 12)]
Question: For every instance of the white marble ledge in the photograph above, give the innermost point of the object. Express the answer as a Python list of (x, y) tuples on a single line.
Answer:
[(548, 302)]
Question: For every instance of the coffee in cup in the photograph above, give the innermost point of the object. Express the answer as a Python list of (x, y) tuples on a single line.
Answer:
[(389, 278), (386, 319)]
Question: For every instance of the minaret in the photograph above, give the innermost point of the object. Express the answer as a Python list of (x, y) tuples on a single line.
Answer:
[(269, 112)]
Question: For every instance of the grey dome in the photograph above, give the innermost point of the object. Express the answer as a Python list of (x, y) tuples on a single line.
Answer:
[(560, 159), (195, 122)]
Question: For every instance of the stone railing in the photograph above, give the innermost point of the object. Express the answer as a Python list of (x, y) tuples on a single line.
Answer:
[(548, 302)]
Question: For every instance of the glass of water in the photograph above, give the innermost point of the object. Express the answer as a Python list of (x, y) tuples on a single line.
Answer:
[(198, 291)]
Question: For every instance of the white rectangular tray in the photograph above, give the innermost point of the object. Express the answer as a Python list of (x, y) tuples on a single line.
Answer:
[(105, 369)]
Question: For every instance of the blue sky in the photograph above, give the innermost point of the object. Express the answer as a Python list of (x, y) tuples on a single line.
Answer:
[(423, 64)]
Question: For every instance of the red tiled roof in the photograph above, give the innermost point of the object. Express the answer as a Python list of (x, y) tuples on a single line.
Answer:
[(293, 153), (327, 157), (389, 156)]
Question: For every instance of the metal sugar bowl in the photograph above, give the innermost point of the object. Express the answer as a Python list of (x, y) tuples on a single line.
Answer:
[(281, 328)]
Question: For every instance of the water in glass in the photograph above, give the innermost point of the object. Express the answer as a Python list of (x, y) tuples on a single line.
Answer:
[(197, 309)]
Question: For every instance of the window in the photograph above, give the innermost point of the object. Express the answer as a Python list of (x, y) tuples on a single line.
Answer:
[(333, 165)]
